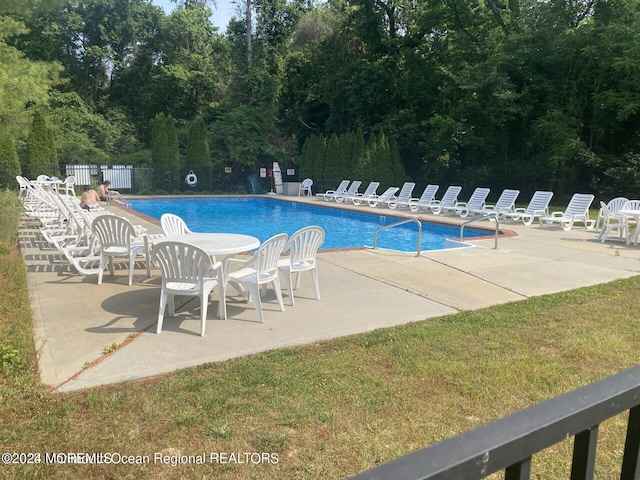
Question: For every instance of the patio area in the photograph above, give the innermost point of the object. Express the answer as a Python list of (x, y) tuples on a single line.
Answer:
[(77, 321)]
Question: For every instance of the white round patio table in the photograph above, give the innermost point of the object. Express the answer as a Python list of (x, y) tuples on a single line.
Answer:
[(215, 243), (632, 237)]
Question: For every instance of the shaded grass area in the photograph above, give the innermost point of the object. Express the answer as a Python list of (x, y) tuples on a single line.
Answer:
[(326, 410)]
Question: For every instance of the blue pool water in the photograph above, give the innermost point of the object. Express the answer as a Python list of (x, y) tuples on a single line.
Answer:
[(265, 217)]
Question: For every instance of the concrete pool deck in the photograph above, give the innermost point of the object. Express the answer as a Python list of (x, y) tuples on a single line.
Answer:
[(76, 321)]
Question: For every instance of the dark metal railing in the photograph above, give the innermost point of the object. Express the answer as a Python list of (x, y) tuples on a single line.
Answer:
[(509, 443)]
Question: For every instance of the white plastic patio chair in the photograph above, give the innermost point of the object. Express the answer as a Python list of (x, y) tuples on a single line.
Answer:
[(611, 222), (367, 194), (305, 187), (186, 270), (383, 199), (118, 239), (577, 211), (330, 194), (448, 202), (426, 199), (538, 207), (351, 192), (302, 246), (475, 203), (404, 197), (613, 205), (173, 225), (503, 206), (261, 269), (69, 185)]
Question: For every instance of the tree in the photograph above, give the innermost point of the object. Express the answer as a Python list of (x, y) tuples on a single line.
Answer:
[(160, 155), (43, 158), (23, 82), (173, 153), (9, 163), (198, 156)]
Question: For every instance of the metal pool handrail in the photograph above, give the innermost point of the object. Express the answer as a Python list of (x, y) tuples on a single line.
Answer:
[(115, 196), (477, 219), (401, 222)]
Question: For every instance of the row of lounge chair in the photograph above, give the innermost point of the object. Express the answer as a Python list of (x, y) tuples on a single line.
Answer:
[(504, 208)]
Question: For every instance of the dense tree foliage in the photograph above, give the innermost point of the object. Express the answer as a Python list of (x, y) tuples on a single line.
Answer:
[(528, 94), (9, 164)]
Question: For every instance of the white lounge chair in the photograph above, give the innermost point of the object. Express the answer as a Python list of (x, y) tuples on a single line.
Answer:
[(351, 192), (173, 225), (369, 193), (383, 199), (504, 206), (611, 222), (426, 199), (576, 211), (302, 247), (613, 205), (305, 187), (475, 203), (404, 197), (538, 207), (118, 239), (448, 202), (261, 269), (186, 271), (330, 194)]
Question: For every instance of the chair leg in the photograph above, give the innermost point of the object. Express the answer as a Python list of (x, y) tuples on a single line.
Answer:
[(172, 305), (254, 293), (163, 304), (276, 286), (316, 284), (111, 270), (103, 264), (222, 303), (204, 305), (132, 262), (289, 282)]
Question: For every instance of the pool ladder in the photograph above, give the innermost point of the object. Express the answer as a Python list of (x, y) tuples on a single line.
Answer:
[(477, 219), (402, 222), (115, 196)]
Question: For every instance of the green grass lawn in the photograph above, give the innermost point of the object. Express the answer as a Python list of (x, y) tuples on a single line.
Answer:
[(326, 410)]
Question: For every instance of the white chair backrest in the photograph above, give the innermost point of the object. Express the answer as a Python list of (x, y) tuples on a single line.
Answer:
[(450, 197), (478, 197), (371, 189), (265, 259), (405, 192), (181, 262), (632, 205), (429, 193), (616, 204), (306, 183), (304, 244), (343, 186), (606, 213), (113, 231), (388, 193), (507, 199), (42, 178), (539, 202), (353, 188), (173, 224), (579, 204)]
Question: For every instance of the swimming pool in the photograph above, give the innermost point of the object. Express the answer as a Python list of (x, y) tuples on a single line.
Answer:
[(265, 217)]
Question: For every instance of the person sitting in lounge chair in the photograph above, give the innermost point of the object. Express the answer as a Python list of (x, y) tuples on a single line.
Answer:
[(89, 199), (103, 190)]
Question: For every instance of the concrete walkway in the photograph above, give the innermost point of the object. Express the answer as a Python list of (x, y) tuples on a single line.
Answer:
[(77, 321)]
